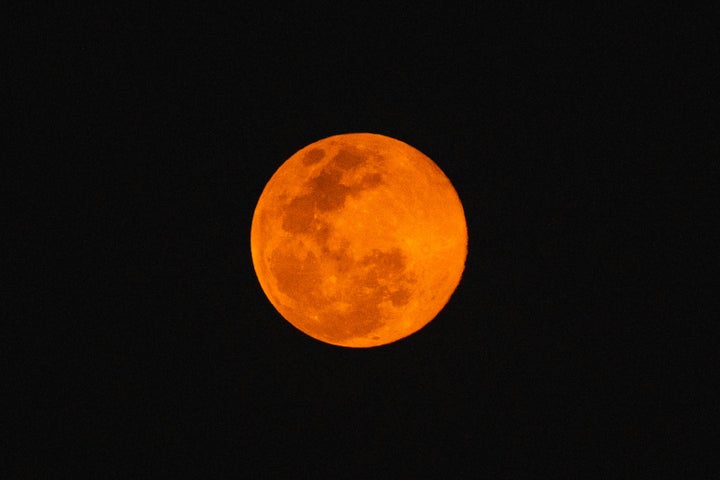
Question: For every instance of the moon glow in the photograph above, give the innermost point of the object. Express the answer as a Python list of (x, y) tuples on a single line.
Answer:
[(359, 240)]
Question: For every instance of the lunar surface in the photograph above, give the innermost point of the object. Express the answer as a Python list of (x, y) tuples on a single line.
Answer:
[(359, 240)]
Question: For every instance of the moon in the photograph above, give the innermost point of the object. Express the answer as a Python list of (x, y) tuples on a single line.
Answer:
[(359, 240)]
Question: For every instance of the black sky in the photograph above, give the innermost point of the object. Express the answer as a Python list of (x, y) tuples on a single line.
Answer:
[(571, 346)]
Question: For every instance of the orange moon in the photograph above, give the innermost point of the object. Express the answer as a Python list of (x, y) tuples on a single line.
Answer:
[(359, 240)]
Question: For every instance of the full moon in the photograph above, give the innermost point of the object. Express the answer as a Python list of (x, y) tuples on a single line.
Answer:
[(359, 240)]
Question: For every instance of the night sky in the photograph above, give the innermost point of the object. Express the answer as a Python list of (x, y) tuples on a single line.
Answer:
[(571, 346)]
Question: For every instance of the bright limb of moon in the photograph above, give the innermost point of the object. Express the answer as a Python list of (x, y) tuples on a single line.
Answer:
[(359, 240)]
